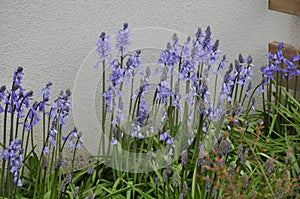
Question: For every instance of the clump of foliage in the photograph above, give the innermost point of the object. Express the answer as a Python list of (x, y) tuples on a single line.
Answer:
[(186, 129)]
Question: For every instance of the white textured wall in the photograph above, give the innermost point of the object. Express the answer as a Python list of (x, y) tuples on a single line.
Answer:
[(50, 39)]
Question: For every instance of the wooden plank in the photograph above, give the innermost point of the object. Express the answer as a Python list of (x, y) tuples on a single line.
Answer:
[(287, 51), (286, 6)]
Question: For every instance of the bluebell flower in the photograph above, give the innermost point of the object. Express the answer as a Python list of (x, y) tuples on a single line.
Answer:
[(46, 93), (90, 170), (176, 48), (133, 63), (207, 38), (2, 96), (116, 76), (232, 169), (134, 60), (203, 91), (172, 54), (227, 86), (122, 37), (290, 70), (280, 46), (17, 98), (166, 137), (17, 76), (168, 58), (75, 139), (201, 154), (14, 156), (163, 92), (214, 54), (114, 141), (199, 34), (103, 46), (269, 165), (206, 125), (223, 62), (268, 70), (295, 58), (32, 114), (52, 134), (184, 157), (175, 101), (246, 179), (46, 150), (143, 113), (207, 183), (108, 95), (186, 51), (61, 108), (224, 147), (186, 70), (68, 178), (240, 152)]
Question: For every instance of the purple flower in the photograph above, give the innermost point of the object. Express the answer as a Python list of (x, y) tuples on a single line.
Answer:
[(227, 87), (114, 141), (142, 111), (248, 88), (18, 75), (166, 137), (280, 46), (186, 69), (32, 114), (122, 37), (201, 154), (90, 170), (207, 183), (46, 150), (45, 92), (184, 157), (207, 38), (60, 108), (224, 147), (199, 34), (232, 169), (75, 139), (163, 91), (108, 95), (168, 58), (69, 178), (269, 166), (246, 179), (133, 63), (103, 46), (172, 54), (175, 101), (17, 98), (134, 60), (223, 62), (175, 182), (14, 155), (2, 96), (290, 70), (116, 76)]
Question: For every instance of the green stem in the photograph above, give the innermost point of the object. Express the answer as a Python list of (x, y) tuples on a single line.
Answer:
[(54, 185), (3, 186), (104, 109), (250, 101)]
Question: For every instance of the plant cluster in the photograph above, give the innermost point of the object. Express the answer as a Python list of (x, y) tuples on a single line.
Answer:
[(186, 129)]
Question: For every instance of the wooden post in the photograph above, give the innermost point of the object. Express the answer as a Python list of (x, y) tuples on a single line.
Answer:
[(286, 6)]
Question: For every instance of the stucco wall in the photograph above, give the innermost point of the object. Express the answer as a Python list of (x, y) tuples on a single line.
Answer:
[(50, 39)]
